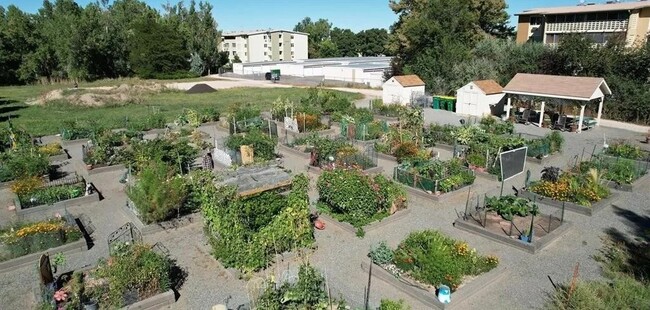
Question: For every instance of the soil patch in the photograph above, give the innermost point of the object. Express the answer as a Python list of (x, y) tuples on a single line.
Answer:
[(100, 96), (200, 89)]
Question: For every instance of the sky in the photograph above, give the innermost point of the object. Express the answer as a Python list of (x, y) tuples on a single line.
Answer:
[(232, 15)]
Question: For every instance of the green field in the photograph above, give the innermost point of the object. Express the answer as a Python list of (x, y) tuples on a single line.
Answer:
[(48, 119)]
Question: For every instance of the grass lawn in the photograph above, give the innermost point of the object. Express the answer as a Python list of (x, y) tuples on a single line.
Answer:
[(48, 119)]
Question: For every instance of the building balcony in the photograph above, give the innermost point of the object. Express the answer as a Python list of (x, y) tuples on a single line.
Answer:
[(595, 26)]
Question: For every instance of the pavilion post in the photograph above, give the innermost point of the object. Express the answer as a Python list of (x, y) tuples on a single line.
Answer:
[(600, 110), (508, 107), (541, 114), (582, 116)]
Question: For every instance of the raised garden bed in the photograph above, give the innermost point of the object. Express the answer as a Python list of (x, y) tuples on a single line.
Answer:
[(358, 199), (436, 180), (33, 199), (510, 220), (428, 261), (570, 206), (637, 185), (147, 229), (319, 170), (428, 298), (154, 302), (618, 173), (62, 235), (376, 225)]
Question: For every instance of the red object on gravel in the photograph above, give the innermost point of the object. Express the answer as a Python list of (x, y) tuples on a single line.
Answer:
[(319, 224)]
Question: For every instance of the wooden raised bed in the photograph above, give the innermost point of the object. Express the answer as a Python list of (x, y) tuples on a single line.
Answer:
[(497, 234), (570, 206), (635, 186), (104, 169), (465, 292), (32, 259), (40, 211), (154, 302), (373, 170), (347, 227), (437, 198)]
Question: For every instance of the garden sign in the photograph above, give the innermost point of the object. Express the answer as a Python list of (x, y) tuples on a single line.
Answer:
[(512, 162)]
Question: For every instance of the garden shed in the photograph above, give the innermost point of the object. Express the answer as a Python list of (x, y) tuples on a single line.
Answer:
[(480, 98), (402, 89), (257, 179)]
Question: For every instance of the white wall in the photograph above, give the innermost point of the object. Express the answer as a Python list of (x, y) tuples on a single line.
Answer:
[(393, 92), (300, 46), (256, 48), (470, 100)]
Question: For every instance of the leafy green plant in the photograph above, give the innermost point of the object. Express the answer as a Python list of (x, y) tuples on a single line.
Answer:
[(357, 196), (263, 145), (307, 293), (405, 151), (510, 206), (158, 193), (551, 174), (433, 258), (151, 277), (51, 194), (381, 254), (626, 150), (387, 304), (23, 162)]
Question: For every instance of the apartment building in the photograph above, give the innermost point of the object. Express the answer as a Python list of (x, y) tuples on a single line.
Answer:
[(265, 45), (599, 21)]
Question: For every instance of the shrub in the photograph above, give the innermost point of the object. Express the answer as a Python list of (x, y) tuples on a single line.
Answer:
[(23, 239), (26, 185), (263, 145), (405, 150), (134, 268), (477, 160), (153, 120), (158, 193), (433, 258), (358, 198), (25, 163), (176, 152), (243, 111)]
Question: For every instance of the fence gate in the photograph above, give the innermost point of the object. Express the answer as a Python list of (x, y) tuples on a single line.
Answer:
[(127, 233)]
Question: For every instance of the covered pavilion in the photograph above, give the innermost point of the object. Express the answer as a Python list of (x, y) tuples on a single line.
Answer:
[(572, 88)]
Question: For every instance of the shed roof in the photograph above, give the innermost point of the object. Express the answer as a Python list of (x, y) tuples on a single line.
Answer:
[(556, 86), (409, 80), (489, 87), (605, 7)]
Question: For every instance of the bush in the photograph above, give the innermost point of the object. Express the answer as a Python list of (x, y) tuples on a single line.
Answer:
[(154, 120), (405, 151), (51, 149), (263, 145), (433, 258), (176, 152), (24, 163), (134, 268), (358, 198), (158, 193), (26, 185), (24, 239), (626, 150)]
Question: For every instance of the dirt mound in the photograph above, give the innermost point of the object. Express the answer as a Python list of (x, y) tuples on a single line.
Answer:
[(100, 96), (200, 89)]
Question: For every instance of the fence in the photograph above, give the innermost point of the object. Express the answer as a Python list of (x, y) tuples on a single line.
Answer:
[(621, 165), (538, 147), (128, 233), (266, 126), (475, 209), (364, 131), (412, 179), (365, 160)]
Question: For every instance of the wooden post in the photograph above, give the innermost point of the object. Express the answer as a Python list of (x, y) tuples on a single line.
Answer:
[(582, 116), (600, 110), (541, 114)]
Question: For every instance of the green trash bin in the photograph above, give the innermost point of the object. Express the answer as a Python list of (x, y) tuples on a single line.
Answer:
[(452, 106), (436, 103)]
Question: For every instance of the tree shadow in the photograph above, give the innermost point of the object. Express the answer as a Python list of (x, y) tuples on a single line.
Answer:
[(637, 245), (178, 275)]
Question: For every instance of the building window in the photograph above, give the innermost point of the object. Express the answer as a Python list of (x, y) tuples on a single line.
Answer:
[(280, 36), (264, 45), (292, 53), (245, 45), (264, 37), (234, 45), (234, 53), (291, 44), (280, 52), (280, 44), (536, 20), (291, 37), (264, 53), (226, 45)]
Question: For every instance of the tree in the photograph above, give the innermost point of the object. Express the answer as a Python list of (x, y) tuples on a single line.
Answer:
[(318, 31), (236, 59), (346, 42), (493, 18), (157, 49), (430, 37), (328, 49), (372, 42)]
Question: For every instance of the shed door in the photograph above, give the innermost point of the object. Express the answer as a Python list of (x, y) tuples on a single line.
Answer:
[(473, 104)]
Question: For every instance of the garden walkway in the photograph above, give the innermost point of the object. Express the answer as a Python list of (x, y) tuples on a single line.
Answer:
[(339, 254)]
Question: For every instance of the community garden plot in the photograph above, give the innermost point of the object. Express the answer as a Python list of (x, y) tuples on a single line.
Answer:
[(434, 179), (513, 221)]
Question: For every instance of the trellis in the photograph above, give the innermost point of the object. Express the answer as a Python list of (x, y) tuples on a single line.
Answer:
[(128, 233)]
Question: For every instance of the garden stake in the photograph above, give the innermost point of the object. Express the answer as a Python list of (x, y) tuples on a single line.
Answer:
[(368, 287), (530, 234), (592, 153)]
